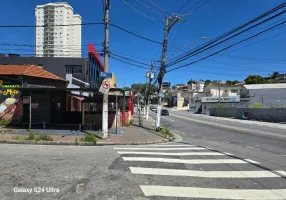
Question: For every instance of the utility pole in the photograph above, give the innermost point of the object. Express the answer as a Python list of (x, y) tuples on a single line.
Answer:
[(151, 76), (106, 54), (218, 92), (169, 23)]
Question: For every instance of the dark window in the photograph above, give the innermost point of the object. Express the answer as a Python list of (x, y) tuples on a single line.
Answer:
[(73, 69)]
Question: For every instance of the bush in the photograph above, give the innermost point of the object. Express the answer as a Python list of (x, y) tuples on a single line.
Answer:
[(166, 132), (18, 137), (31, 136), (256, 105), (39, 137), (4, 122), (88, 137), (219, 106), (131, 122), (43, 138)]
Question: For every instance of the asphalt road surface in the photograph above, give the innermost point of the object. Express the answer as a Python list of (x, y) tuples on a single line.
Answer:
[(215, 160)]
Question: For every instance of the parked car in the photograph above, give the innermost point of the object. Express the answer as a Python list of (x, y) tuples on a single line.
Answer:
[(164, 112)]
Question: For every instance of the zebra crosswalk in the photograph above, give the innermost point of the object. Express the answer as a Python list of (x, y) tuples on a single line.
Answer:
[(186, 171)]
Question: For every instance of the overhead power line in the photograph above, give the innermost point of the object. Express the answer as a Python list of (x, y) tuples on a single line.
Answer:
[(190, 9), (186, 3), (142, 37), (200, 6), (90, 23), (193, 54), (257, 42), (140, 12), (234, 30), (129, 59), (31, 50), (47, 26), (123, 61), (31, 45), (159, 7), (227, 47), (150, 8)]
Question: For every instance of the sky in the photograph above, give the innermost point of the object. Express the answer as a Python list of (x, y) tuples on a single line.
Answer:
[(261, 56)]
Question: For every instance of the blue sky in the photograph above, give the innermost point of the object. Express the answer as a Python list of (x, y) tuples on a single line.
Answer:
[(214, 18)]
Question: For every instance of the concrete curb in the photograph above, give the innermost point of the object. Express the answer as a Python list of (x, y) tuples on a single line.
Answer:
[(78, 143), (47, 142)]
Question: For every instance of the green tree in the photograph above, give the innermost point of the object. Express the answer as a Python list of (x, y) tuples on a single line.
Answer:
[(254, 79), (207, 82), (140, 88), (235, 82), (192, 81), (274, 75), (229, 82), (126, 88)]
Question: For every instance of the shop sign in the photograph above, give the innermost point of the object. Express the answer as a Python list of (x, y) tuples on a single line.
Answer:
[(221, 99)]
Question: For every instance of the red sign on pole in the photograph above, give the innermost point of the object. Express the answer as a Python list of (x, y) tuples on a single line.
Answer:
[(105, 86)]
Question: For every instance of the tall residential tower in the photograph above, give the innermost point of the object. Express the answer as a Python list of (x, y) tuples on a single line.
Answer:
[(54, 40)]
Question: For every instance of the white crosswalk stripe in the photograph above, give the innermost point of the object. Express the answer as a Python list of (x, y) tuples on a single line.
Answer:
[(192, 192), (205, 174), (172, 154), (161, 149), (185, 161), (144, 157)]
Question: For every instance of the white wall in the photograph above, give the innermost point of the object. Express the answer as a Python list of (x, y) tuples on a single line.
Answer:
[(77, 35), (67, 43)]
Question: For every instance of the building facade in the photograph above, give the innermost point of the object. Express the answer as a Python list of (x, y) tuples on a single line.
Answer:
[(53, 40), (95, 66), (269, 95), (80, 72), (78, 67)]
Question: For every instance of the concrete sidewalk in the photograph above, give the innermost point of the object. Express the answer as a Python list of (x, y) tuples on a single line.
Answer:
[(125, 135)]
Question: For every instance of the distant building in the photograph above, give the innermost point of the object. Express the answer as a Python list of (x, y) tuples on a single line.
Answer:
[(281, 78), (269, 95), (113, 81), (57, 41)]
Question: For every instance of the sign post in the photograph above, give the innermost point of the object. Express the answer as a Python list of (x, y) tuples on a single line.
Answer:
[(27, 100)]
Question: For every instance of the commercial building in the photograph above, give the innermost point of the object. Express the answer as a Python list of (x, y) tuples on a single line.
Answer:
[(81, 72), (269, 95), (46, 106), (53, 40)]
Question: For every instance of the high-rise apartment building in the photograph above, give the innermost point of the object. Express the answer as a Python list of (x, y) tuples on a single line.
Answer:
[(55, 40)]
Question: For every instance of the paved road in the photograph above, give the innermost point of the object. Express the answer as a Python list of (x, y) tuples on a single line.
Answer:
[(214, 161), (265, 144)]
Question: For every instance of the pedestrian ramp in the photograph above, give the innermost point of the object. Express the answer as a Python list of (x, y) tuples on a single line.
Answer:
[(174, 170)]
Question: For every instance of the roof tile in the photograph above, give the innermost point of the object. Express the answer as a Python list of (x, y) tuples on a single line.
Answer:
[(28, 70)]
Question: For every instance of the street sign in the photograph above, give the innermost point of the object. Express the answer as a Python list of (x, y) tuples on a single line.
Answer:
[(105, 75), (150, 75), (127, 93), (104, 88)]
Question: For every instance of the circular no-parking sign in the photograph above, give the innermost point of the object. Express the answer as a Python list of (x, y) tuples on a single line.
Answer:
[(105, 84)]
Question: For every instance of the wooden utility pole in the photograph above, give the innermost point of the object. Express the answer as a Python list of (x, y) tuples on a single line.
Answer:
[(106, 54), (169, 23)]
